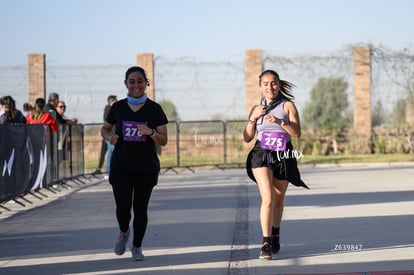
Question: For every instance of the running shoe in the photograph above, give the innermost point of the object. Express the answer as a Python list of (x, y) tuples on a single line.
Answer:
[(120, 246), (137, 253), (266, 252), (275, 245)]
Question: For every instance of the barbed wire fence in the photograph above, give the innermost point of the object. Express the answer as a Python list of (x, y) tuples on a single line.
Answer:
[(205, 90), (304, 71), (201, 90), (14, 82), (393, 75)]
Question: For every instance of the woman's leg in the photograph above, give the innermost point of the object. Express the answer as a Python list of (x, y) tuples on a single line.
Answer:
[(263, 176), (279, 191), (279, 188), (122, 190), (143, 187)]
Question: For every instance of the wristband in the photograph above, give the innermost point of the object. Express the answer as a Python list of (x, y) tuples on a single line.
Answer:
[(153, 132), (282, 122)]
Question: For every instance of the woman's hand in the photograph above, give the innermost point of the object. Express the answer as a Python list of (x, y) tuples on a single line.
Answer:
[(106, 133), (256, 112), (145, 130), (273, 119), (113, 139)]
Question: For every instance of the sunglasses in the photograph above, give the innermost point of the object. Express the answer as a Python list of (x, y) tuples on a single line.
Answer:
[(62, 106)]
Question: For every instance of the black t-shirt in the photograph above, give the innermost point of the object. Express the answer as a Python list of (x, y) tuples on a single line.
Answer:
[(106, 111), (134, 152)]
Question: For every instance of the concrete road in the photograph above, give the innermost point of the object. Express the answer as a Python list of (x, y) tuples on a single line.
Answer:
[(355, 219)]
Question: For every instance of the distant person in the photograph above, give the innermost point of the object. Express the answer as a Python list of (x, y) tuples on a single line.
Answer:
[(61, 109), (140, 124), (9, 113), (52, 106), (104, 144), (27, 108), (270, 164), (38, 116), (110, 147), (102, 154)]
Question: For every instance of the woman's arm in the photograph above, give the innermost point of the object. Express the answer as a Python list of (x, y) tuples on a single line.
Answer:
[(292, 127), (250, 130), (107, 135), (160, 135)]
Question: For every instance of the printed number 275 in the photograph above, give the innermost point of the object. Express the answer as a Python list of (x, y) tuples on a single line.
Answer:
[(271, 141)]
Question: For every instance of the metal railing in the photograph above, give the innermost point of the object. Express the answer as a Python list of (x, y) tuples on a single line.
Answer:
[(33, 157)]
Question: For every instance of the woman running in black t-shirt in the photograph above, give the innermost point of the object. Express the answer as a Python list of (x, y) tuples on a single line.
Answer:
[(140, 124)]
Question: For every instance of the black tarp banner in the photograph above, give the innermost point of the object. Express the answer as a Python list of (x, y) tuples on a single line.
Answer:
[(37, 139), (23, 158)]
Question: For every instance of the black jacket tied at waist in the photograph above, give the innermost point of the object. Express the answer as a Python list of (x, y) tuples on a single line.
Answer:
[(282, 163)]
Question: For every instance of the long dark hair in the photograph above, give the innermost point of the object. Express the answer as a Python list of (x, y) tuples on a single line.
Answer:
[(285, 86), (11, 112)]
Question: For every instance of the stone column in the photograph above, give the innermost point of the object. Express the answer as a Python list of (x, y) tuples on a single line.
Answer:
[(253, 68), (146, 61), (362, 95), (36, 76)]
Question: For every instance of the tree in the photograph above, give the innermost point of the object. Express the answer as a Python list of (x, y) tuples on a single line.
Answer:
[(169, 109), (402, 114), (327, 106), (399, 113), (378, 115)]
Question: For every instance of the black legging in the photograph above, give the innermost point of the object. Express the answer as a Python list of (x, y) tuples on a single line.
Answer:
[(104, 148), (132, 190)]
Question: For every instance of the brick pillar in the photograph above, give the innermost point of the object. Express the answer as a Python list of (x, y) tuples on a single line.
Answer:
[(146, 61), (253, 68), (362, 97), (362, 91), (37, 76)]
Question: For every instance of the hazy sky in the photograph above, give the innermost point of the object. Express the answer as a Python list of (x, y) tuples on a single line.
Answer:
[(113, 32)]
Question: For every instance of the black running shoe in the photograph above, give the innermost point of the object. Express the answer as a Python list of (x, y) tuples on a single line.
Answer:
[(275, 245), (266, 252)]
